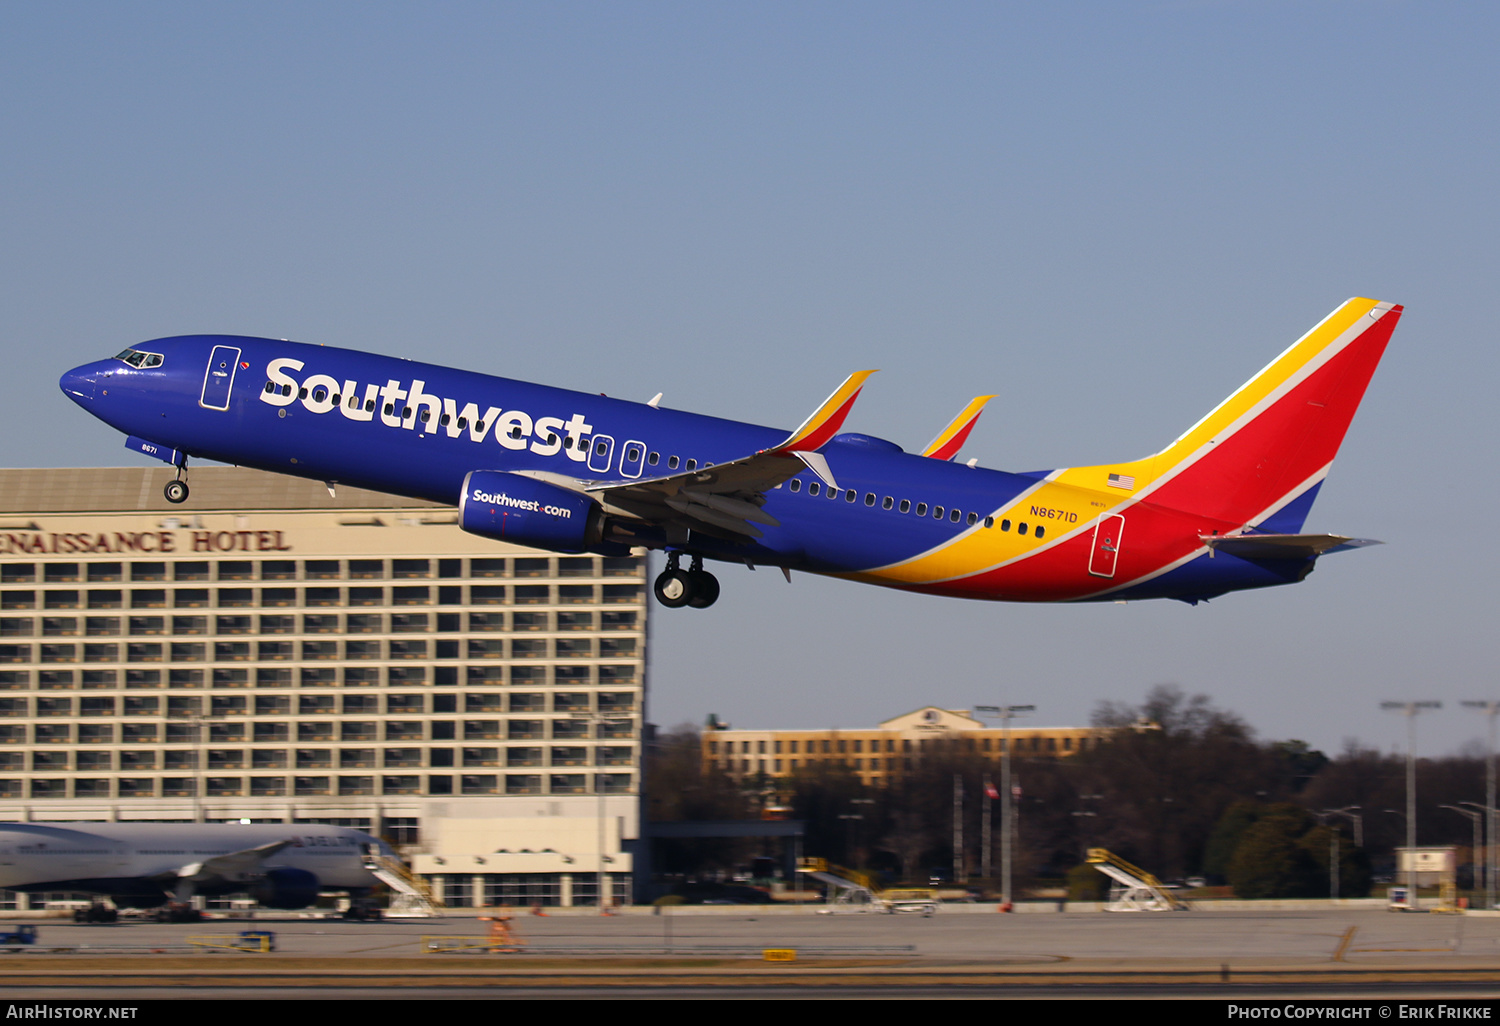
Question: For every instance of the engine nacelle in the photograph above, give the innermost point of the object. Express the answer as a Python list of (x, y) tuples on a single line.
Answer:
[(286, 888), (145, 895), (523, 510)]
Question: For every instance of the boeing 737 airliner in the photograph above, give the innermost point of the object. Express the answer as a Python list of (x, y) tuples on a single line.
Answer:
[(1219, 509)]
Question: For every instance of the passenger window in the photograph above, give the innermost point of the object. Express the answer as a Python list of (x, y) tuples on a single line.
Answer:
[(812, 488), (955, 516), (973, 519), (1005, 525), (692, 464), (921, 509), (653, 458), (888, 503), (1021, 527), (850, 495), (989, 521), (1040, 530), (937, 512), (906, 505), (796, 484), (671, 462), (869, 498)]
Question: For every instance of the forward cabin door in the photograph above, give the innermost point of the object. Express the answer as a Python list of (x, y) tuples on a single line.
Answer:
[(1106, 550), (219, 378)]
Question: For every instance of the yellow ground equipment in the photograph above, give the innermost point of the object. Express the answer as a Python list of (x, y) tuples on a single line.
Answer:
[(853, 891), (1132, 889)]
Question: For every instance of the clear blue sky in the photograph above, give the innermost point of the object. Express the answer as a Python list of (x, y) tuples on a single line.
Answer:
[(1110, 214)]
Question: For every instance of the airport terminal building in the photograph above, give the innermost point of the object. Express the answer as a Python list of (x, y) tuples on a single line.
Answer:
[(277, 653)]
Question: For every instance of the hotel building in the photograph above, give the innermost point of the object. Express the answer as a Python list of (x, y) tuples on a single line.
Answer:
[(880, 755), (279, 653)]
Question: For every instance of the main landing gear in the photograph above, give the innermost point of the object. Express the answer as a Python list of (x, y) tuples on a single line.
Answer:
[(694, 587), (177, 489)]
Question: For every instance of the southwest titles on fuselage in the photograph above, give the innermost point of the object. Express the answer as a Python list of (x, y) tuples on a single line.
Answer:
[(401, 405)]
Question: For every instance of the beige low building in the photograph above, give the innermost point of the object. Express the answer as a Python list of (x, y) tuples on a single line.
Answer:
[(268, 651), (883, 753)]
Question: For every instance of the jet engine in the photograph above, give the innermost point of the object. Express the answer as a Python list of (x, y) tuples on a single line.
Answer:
[(515, 508), (286, 888)]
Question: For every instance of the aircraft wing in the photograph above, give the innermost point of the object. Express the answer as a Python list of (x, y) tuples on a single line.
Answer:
[(725, 499), (1283, 546), (234, 867)]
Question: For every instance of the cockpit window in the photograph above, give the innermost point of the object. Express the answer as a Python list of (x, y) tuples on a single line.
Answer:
[(137, 358)]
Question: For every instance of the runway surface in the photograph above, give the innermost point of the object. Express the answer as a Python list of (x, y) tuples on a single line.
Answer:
[(1332, 954)]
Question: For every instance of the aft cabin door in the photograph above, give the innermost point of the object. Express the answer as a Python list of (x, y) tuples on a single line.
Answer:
[(1106, 546), (219, 377)]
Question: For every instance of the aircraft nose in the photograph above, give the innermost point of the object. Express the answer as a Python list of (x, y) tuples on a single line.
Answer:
[(81, 384)]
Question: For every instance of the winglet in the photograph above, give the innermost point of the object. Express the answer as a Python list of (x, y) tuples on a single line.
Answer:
[(826, 419), (951, 439)]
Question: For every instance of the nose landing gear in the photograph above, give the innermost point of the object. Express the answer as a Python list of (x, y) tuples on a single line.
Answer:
[(694, 587), (177, 489)]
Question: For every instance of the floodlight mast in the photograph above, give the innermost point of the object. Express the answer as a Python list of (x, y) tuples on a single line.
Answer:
[(1490, 710), (595, 719), (1410, 710), (1350, 812), (1006, 713)]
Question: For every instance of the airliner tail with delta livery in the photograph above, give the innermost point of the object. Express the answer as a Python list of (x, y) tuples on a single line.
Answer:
[(1220, 509)]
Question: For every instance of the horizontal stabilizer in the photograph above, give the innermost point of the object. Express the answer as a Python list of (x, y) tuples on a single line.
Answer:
[(1283, 546)]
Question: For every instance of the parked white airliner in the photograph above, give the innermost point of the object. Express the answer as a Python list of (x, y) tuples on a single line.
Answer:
[(144, 865)]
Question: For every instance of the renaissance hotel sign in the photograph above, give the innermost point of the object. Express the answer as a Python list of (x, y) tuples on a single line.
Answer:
[(19, 543)]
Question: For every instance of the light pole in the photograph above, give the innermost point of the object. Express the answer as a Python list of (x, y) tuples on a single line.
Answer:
[(852, 834), (596, 719), (1490, 710), (1474, 818), (1348, 811), (1410, 710), (1006, 714), (1489, 845)]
